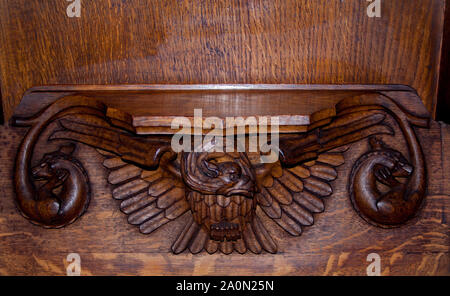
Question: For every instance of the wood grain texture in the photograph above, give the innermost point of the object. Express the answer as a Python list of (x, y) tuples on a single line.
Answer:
[(443, 104), (219, 42), (337, 244), (2, 119), (445, 134)]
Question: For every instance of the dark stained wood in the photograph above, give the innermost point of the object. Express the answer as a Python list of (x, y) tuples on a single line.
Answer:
[(443, 104), (394, 207), (2, 119), (445, 133), (232, 100), (57, 169), (337, 243), (129, 42)]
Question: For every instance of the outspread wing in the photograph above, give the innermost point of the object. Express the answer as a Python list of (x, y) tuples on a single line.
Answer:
[(100, 133), (291, 196), (293, 190), (150, 198)]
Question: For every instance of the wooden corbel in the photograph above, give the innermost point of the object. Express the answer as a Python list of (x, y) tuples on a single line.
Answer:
[(225, 194)]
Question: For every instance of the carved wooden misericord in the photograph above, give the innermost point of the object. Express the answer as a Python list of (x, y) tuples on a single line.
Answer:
[(224, 193)]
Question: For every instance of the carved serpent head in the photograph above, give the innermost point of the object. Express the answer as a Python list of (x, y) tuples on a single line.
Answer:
[(53, 165), (394, 165)]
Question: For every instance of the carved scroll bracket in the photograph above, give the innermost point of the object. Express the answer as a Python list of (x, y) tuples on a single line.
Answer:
[(401, 202), (58, 169)]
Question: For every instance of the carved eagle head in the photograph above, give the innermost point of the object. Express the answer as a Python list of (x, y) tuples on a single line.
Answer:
[(220, 189), (220, 173)]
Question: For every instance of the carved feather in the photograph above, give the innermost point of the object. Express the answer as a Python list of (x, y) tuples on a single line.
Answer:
[(226, 247), (292, 197), (153, 224), (150, 198), (251, 241), (136, 202), (211, 246), (99, 133), (123, 174), (190, 230), (263, 236), (239, 246), (329, 130), (198, 242)]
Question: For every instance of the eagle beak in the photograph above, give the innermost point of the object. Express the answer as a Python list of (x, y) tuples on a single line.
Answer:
[(248, 190)]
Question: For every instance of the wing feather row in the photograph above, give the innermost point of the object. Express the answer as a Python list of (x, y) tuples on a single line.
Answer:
[(149, 198), (292, 197), (289, 196)]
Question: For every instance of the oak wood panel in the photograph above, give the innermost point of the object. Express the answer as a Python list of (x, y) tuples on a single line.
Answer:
[(443, 104), (338, 243), (228, 100), (229, 41), (445, 134), (1, 109)]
